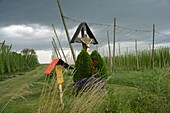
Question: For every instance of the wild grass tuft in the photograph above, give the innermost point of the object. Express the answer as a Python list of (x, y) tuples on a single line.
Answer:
[(88, 100)]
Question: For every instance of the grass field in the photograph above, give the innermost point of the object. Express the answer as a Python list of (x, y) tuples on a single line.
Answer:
[(20, 94), (126, 92)]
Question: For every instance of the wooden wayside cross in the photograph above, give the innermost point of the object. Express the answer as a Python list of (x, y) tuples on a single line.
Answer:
[(84, 39)]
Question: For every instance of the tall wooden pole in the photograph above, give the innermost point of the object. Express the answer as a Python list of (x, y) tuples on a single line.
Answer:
[(137, 58), (127, 50), (54, 48), (110, 56), (59, 43), (127, 58), (55, 45), (153, 42), (103, 53), (66, 30), (114, 42), (118, 52), (150, 51), (96, 48), (119, 48)]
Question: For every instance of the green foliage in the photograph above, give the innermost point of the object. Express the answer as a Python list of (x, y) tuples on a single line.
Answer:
[(150, 92), (128, 61), (99, 67), (153, 95), (14, 62), (83, 66), (126, 92)]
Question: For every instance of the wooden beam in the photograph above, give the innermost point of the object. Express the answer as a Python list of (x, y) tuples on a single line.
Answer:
[(66, 30), (59, 43), (110, 56), (55, 45)]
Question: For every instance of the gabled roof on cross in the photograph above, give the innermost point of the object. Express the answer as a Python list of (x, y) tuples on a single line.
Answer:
[(54, 63), (79, 29)]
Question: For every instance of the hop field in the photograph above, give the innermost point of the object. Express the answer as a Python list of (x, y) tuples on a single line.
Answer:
[(11, 62), (142, 60)]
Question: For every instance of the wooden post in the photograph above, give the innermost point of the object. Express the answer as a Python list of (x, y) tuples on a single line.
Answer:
[(54, 48), (127, 50), (60, 80), (114, 42), (110, 56), (127, 60), (150, 54), (103, 53), (119, 49), (153, 42), (55, 45), (137, 58), (96, 48), (66, 30), (59, 43), (150, 49), (119, 54), (61, 95), (107, 55)]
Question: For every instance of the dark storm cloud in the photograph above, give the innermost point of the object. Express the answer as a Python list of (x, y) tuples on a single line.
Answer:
[(23, 15), (129, 12), (137, 13), (28, 11)]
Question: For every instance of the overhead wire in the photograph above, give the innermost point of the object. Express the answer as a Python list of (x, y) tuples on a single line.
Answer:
[(162, 35), (123, 33), (66, 17), (133, 29)]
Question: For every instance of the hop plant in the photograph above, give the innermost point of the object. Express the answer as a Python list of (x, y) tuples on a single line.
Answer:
[(83, 66)]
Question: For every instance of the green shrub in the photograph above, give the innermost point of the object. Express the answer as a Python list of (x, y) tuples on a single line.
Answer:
[(83, 66), (99, 67)]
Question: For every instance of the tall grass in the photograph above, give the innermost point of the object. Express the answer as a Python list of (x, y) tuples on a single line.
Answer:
[(14, 62), (139, 92), (88, 99), (153, 94), (129, 61)]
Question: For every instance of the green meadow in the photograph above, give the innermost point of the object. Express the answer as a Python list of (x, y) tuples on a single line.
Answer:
[(125, 91)]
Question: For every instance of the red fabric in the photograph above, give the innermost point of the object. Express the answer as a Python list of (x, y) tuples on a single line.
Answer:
[(51, 66)]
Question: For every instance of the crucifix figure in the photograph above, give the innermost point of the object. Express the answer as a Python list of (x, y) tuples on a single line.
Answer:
[(86, 44), (85, 41), (85, 32)]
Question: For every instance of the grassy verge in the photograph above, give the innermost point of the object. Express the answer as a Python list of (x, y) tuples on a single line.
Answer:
[(125, 91), (150, 91), (21, 93)]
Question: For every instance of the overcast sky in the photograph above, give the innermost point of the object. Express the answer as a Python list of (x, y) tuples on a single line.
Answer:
[(27, 23)]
